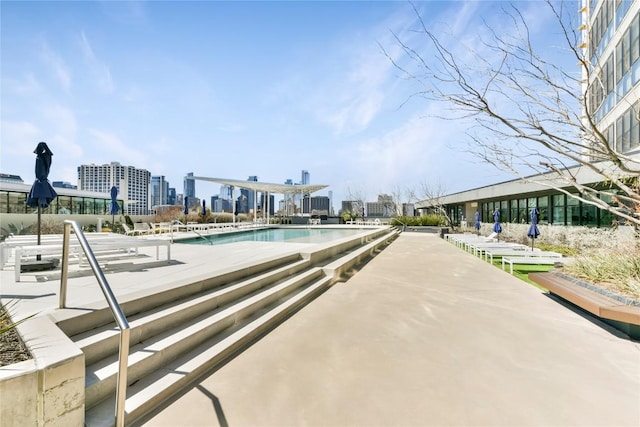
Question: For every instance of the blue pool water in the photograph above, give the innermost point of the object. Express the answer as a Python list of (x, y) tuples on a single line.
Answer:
[(297, 235)]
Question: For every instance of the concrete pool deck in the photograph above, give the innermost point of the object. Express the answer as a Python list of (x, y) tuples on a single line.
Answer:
[(423, 335)]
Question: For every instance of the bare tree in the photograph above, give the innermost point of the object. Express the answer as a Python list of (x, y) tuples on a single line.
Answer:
[(434, 195), (357, 198), (529, 116), (396, 200)]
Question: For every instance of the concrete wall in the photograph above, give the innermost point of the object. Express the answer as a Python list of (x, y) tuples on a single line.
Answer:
[(49, 389)]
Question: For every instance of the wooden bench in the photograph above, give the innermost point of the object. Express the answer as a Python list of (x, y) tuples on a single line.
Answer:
[(595, 303), (531, 260)]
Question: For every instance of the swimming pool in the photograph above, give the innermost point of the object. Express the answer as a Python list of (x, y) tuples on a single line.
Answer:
[(292, 235)]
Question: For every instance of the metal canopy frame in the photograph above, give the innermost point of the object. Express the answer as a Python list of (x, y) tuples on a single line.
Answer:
[(264, 187)]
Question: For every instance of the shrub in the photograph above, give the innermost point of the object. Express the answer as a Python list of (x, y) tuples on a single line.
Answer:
[(415, 221), (618, 268)]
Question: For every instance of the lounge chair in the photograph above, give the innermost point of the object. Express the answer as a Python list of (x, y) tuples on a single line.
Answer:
[(128, 231), (142, 228)]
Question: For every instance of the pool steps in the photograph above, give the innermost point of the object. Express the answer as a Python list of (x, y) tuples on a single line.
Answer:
[(180, 333)]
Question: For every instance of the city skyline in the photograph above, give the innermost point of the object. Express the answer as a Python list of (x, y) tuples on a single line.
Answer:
[(234, 89)]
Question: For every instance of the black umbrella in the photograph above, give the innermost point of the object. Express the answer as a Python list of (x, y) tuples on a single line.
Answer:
[(204, 207), (533, 229), (477, 224), (42, 193), (497, 228), (114, 207), (186, 205)]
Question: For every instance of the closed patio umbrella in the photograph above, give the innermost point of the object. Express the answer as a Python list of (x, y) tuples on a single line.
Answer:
[(114, 207), (477, 223), (204, 207), (186, 206), (41, 193), (533, 229), (497, 228)]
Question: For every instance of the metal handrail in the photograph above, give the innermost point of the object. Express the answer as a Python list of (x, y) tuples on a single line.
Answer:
[(116, 310)]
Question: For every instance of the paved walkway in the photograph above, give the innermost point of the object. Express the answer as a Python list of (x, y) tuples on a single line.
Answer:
[(425, 335)]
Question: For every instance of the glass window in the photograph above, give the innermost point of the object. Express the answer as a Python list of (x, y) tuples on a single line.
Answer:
[(606, 218), (17, 203), (64, 205), (4, 201), (504, 210), (543, 207), (634, 31), (626, 51), (589, 215), (513, 214), (626, 131), (77, 205), (573, 211), (619, 135), (558, 211), (634, 132), (89, 205), (610, 80), (522, 211), (619, 59)]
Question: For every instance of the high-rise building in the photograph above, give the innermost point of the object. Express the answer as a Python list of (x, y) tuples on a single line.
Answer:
[(306, 178), (251, 194), (264, 204), (190, 188), (159, 191), (134, 185), (331, 203), (319, 205), (172, 196), (612, 41), (384, 207)]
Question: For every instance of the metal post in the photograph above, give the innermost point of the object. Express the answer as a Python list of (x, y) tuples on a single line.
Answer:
[(121, 387), (64, 274)]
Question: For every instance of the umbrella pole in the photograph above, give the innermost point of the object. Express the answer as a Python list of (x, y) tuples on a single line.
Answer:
[(39, 257)]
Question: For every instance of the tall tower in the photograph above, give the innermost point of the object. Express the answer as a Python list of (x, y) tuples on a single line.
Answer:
[(306, 178), (252, 197), (159, 191), (330, 203), (190, 187)]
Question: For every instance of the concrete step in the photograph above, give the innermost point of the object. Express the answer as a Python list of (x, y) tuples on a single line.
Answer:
[(152, 390), (77, 321), (102, 341), (151, 354)]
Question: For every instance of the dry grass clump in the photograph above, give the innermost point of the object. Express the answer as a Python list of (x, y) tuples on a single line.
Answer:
[(12, 349), (616, 269)]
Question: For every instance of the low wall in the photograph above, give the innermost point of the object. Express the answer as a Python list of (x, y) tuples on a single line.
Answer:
[(48, 389)]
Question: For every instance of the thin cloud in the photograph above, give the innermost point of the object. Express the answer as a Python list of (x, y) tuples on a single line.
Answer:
[(56, 66), (114, 148), (15, 134), (26, 85), (99, 70)]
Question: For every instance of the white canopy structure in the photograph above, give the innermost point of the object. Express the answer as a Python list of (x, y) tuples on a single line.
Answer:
[(264, 187)]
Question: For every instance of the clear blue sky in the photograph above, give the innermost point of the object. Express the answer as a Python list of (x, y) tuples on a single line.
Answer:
[(233, 89)]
